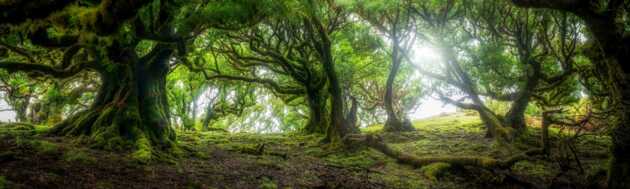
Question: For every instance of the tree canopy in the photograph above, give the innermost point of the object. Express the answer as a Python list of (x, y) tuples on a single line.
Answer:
[(131, 75)]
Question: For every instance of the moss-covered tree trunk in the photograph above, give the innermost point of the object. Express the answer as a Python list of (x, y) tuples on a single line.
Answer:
[(619, 81), (21, 110), (612, 57), (209, 116), (394, 123), (610, 54), (515, 117), (318, 34), (351, 116), (337, 128), (54, 104), (318, 117), (130, 109), (546, 122), (494, 127), (491, 122), (619, 169)]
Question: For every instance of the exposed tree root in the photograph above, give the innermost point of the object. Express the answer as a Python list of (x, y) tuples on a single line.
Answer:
[(116, 128), (377, 143)]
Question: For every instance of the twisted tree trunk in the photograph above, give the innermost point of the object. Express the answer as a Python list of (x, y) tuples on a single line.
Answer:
[(515, 117), (609, 55), (394, 123), (318, 117), (131, 108)]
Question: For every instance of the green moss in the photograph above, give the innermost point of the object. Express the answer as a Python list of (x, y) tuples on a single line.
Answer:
[(537, 169), (443, 124), (44, 147), (78, 156), (360, 159), (435, 170), (144, 151), (3, 182), (16, 129), (104, 185), (40, 129), (268, 183)]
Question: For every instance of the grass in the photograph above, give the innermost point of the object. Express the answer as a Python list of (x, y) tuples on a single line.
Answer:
[(459, 123)]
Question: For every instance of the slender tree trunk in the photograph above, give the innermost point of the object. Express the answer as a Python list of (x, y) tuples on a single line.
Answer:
[(131, 108), (393, 123), (337, 128), (515, 117), (546, 122), (194, 114), (318, 117), (494, 127), (209, 116), (491, 123), (21, 110), (351, 116), (54, 105)]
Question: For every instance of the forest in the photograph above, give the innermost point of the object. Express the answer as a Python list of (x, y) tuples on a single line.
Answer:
[(273, 94)]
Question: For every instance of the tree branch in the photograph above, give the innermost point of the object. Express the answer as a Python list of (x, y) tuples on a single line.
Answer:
[(268, 82), (41, 69)]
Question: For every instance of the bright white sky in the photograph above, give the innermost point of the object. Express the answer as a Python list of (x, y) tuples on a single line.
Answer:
[(425, 56), (7, 115)]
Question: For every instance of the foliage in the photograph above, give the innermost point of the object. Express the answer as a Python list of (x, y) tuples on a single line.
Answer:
[(133, 76)]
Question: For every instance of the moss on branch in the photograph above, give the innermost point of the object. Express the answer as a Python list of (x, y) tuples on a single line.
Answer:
[(377, 143)]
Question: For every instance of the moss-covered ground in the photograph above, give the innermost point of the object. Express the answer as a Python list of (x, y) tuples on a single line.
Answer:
[(29, 159)]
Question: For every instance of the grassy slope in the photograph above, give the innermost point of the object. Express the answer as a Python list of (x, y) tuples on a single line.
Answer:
[(220, 160)]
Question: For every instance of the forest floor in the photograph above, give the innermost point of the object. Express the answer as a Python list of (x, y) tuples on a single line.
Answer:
[(241, 160)]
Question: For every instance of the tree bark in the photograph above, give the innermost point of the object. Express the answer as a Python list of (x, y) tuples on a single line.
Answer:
[(131, 108), (209, 116), (515, 117), (320, 39), (619, 170), (377, 143), (318, 117), (546, 122), (393, 123), (21, 110), (351, 116), (612, 51), (337, 128), (494, 127)]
